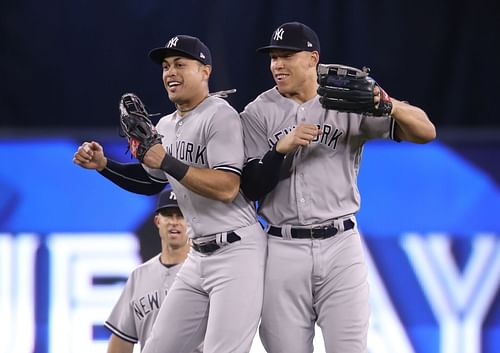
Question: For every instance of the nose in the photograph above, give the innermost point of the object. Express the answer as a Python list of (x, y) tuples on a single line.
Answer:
[(174, 219), (277, 63), (169, 71)]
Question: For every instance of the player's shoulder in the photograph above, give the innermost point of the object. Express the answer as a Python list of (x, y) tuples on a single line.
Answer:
[(217, 105), (152, 264), (166, 119), (264, 100)]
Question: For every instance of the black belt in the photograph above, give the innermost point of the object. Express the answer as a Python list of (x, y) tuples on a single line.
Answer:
[(312, 233), (211, 245)]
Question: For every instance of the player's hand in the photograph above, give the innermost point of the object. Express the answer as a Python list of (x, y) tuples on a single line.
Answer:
[(154, 156), (376, 94), (302, 135), (90, 155)]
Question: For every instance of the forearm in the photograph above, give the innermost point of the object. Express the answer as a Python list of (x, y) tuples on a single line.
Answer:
[(212, 183), (261, 176), (117, 345), (218, 183), (131, 177), (412, 123)]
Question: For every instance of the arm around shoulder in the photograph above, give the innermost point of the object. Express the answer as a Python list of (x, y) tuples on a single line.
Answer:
[(413, 124)]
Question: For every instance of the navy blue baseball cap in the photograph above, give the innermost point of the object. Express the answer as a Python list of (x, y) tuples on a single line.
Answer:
[(183, 45), (294, 36), (167, 199)]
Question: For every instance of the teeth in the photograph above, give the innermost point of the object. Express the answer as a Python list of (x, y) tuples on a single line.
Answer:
[(173, 84)]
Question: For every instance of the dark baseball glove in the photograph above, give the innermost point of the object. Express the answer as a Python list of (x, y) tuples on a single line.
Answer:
[(348, 89), (136, 126)]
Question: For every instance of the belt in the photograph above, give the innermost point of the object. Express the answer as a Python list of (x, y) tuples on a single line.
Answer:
[(312, 233), (218, 241)]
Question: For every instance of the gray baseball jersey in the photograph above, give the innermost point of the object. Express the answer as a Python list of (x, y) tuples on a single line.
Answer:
[(323, 183), (135, 311), (218, 296), (195, 139), (311, 281)]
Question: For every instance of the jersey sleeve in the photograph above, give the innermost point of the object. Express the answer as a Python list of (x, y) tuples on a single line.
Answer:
[(254, 135), (121, 320), (377, 127), (225, 141)]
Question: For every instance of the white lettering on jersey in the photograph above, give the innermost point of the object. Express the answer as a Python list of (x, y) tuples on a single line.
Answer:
[(329, 137)]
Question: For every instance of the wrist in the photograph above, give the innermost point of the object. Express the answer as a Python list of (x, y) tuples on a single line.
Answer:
[(174, 167), (102, 165), (277, 149)]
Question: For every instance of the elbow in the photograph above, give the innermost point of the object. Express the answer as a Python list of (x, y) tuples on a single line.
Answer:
[(429, 135), (228, 195)]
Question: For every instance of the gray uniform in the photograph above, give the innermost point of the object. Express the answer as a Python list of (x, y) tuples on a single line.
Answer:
[(135, 311), (221, 292), (313, 280)]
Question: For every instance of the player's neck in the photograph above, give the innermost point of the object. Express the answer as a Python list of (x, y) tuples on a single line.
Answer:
[(305, 94), (184, 108), (171, 255)]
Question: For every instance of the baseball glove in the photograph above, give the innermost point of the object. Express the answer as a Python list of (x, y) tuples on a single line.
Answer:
[(136, 126), (348, 89)]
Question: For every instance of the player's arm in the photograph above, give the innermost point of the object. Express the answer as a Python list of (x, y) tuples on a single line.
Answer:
[(261, 176), (118, 345), (412, 123), (218, 184), (129, 176)]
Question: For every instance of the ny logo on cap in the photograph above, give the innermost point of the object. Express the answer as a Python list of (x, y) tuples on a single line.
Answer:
[(202, 55), (172, 42), (278, 35), (172, 196)]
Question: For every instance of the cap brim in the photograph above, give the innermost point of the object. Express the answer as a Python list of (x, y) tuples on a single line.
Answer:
[(166, 206), (271, 47), (159, 54)]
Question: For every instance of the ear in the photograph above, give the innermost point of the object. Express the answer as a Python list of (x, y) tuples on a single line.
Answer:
[(207, 70), (156, 221), (314, 58)]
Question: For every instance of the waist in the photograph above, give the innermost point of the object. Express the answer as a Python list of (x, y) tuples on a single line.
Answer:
[(315, 232), (209, 243)]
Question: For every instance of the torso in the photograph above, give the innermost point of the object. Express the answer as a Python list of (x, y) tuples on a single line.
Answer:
[(321, 181), (210, 136)]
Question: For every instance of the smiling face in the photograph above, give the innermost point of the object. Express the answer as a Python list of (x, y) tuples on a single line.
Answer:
[(172, 227), (295, 73), (185, 79)]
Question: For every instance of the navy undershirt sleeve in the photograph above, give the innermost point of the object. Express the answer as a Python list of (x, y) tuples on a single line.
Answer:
[(131, 177), (259, 177)]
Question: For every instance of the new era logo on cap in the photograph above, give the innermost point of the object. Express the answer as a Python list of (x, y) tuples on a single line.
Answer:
[(294, 36), (183, 45)]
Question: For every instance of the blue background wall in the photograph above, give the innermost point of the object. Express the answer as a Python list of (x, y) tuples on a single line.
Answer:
[(413, 199)]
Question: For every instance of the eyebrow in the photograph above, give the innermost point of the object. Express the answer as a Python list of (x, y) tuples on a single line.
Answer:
[(176, 59)]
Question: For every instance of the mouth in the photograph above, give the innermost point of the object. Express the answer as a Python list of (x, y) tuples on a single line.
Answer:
[(172, 85), (280, 77), (174, 233)]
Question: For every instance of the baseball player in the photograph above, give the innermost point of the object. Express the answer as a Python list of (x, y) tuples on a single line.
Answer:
[(302, 164), (133, 315), (218, 292)]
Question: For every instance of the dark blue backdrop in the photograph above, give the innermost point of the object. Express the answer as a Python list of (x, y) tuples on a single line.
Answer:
[(66, 63)]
